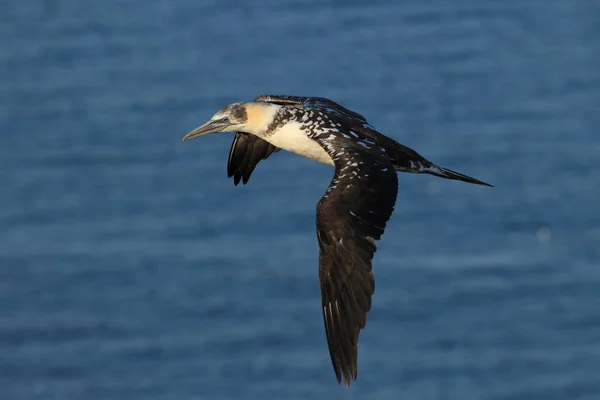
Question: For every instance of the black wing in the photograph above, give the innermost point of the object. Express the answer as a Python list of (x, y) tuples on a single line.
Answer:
[(246, 152), (351, 217), (315, 103)]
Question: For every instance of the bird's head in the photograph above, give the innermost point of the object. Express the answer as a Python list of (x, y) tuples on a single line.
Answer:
[(248, 117)]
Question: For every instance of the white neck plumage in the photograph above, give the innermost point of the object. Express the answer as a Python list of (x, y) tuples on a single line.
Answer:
[(287, 135)]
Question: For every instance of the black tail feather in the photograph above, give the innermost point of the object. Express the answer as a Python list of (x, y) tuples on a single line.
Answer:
[(449, 174)]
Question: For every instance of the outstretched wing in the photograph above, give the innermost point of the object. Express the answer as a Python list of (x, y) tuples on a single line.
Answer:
[(315, 103), (351, 217)]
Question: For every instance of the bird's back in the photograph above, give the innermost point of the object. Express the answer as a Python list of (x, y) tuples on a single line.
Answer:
[(349, 123)]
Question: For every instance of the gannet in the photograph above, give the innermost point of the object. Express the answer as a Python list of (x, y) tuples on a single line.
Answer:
[(353, 212)]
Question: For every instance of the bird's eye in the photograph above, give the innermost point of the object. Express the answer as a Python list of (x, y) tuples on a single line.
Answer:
[(225, 120)]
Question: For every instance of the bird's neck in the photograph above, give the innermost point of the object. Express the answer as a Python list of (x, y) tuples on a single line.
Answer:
[(259, 117)]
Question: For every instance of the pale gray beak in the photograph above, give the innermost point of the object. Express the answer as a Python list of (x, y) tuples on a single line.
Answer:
[(212, 126)]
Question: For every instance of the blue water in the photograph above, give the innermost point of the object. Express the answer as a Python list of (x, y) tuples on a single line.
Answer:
[(132, 268)]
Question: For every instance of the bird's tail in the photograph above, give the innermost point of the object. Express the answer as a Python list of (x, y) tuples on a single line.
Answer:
[(427, 167), (406, 159), (449, 174)]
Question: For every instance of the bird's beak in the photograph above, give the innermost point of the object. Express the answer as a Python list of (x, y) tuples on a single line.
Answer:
[(212, 126)]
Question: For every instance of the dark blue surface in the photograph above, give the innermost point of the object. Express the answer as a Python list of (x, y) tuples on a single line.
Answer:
[(131, 267)]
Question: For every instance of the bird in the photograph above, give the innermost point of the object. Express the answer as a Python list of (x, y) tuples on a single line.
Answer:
[(352, 214)]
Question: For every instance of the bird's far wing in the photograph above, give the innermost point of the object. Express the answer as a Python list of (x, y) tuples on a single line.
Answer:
[(283, 100), (331, 107), (351, 217), (315, 103), (245, 153)]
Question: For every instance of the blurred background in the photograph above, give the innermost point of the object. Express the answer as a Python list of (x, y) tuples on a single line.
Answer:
[(131, 267)]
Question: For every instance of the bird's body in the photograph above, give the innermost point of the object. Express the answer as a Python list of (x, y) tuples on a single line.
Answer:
[(293, 137), (354, 210)]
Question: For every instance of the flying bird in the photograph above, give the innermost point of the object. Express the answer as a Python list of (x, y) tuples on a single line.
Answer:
[(353, 212)]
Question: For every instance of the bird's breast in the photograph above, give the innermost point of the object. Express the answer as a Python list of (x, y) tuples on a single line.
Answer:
[(292, 138)]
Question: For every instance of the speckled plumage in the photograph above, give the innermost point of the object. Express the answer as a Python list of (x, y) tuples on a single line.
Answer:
[(353, 213)]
